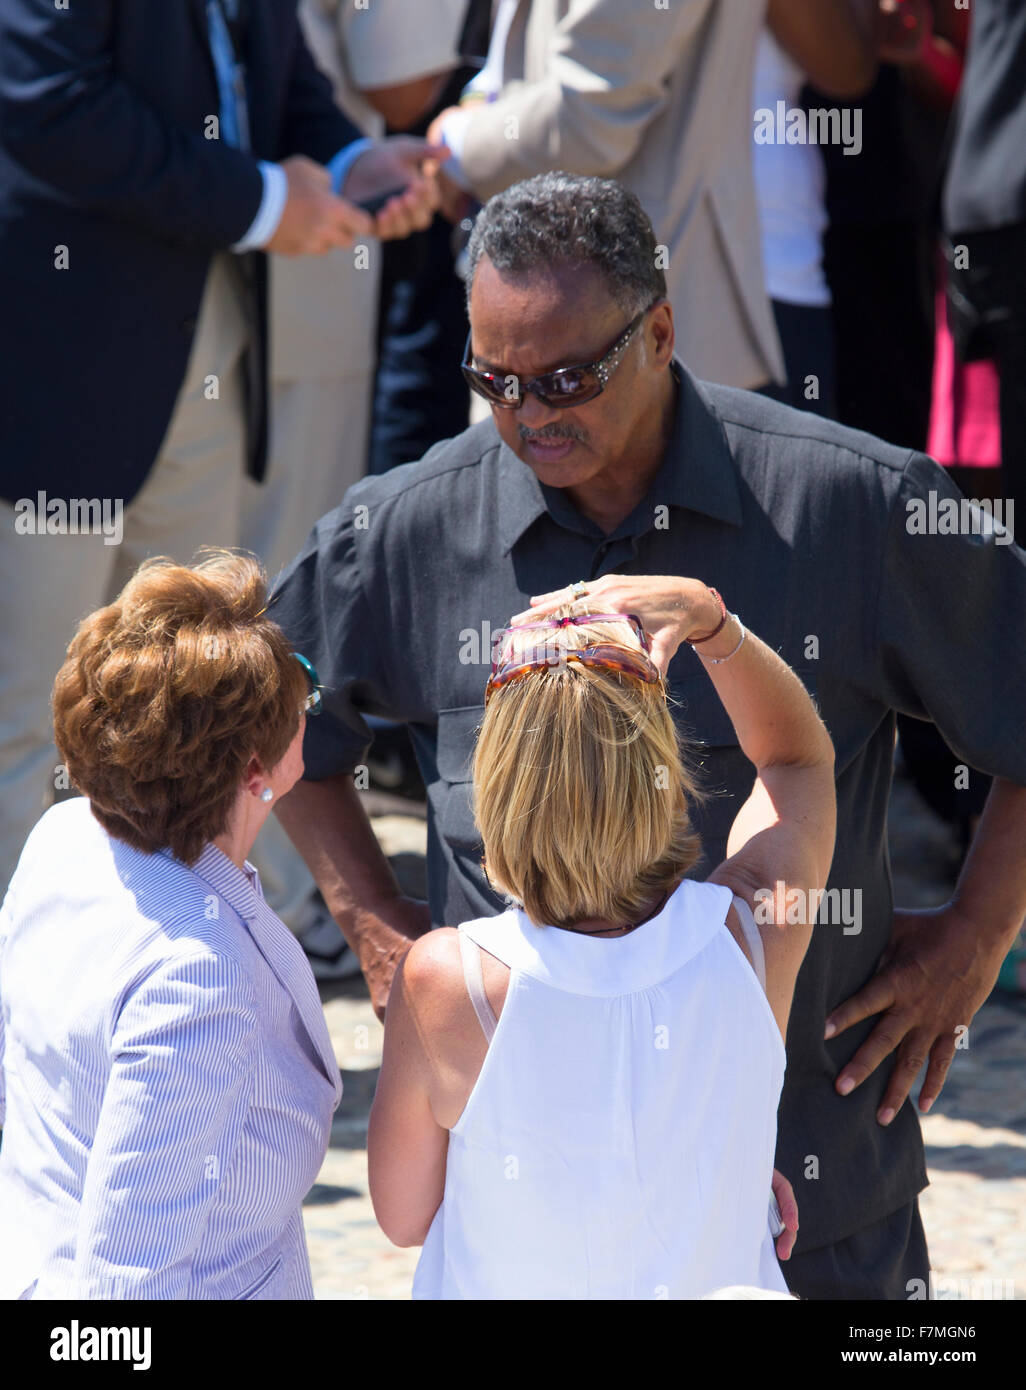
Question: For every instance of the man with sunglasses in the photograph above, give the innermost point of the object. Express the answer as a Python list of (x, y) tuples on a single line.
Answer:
[(608, 472)]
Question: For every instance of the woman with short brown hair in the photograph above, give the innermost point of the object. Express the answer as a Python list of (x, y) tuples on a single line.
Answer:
[(169, 1076)]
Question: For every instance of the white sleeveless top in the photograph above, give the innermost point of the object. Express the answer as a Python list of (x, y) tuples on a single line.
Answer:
[(619, 1140)]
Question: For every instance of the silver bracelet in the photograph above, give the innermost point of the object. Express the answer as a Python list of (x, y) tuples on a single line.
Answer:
[(716, 660)]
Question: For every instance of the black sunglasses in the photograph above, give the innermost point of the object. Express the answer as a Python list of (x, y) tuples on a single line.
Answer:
[(566, 387)]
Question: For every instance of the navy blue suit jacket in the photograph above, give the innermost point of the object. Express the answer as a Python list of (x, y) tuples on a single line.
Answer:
[(103, 112)]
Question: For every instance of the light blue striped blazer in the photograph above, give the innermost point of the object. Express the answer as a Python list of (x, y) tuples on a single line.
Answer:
[(168, 1075)]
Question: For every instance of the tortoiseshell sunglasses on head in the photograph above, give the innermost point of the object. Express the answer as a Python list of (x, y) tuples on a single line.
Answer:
[(604, 655)]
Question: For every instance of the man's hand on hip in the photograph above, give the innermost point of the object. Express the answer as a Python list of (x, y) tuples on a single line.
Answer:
[(315, 220), (934, 975)]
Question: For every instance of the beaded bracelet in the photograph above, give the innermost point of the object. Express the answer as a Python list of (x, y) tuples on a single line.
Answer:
[(694, 641), (716, 660)]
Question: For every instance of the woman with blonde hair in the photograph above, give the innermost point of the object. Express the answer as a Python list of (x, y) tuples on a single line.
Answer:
[(169, 1076), (578, 1096)]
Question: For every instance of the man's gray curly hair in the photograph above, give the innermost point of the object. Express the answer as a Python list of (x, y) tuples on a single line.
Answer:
[(560, 219)]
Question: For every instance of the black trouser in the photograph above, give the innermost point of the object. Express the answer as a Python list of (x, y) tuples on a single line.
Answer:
[(887, 1260), (807, 337), (420, 396), (881, 284), (987, 294)]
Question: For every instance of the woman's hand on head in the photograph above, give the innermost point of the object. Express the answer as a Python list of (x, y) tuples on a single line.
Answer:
[(671, 608)]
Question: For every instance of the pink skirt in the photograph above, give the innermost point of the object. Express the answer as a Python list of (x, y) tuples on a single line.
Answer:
[(965, 424)]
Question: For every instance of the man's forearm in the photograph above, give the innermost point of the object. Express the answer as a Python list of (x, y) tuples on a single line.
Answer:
[(991, 889), (405, 103), (329, 827), (835, 46)]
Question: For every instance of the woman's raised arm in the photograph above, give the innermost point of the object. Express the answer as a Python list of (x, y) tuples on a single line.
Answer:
[(781, 844)]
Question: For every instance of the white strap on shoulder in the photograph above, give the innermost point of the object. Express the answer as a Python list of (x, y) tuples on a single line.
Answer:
[(752, 936), (471, 954)]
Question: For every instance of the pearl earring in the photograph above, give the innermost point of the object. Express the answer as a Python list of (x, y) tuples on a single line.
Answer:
[(266, 794)]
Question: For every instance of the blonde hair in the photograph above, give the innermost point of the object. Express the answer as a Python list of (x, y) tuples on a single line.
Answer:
[(581, 785), (168, 692)]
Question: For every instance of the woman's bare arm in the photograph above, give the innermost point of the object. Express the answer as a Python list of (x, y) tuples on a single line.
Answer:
[(406, 1146), (781, 844)]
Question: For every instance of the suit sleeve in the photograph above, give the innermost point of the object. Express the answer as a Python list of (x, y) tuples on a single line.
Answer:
[(950, 638), (70, 120), (183, 1060), (312, 123), (605, 82)]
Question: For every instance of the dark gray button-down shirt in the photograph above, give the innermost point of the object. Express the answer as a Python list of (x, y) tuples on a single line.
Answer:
[(804, 528)]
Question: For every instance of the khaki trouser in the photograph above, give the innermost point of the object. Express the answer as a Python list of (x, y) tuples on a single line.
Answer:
[(322, 313), (50, 581), (318, 447)]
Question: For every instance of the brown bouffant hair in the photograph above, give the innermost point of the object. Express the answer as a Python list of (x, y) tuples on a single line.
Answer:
[(582, 786), (166, 694)]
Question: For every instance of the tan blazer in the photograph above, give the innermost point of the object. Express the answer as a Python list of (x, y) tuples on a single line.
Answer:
[(660, 98)]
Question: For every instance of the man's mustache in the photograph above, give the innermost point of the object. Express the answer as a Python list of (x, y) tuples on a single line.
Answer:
[(552, 432)]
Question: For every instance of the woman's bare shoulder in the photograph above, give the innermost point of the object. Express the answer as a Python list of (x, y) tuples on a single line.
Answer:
[(433, 964), (437, 988)]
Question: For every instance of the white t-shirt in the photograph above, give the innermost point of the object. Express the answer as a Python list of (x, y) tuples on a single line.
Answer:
[(790, 184)]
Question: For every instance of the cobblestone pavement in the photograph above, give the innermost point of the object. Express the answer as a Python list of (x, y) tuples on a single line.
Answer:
[(974, 1210)]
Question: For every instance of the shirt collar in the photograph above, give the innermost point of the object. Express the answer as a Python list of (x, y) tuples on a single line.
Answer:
[(697, 472), (241, 889)]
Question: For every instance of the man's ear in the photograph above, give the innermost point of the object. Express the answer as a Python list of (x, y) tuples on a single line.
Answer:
[(662, 331)]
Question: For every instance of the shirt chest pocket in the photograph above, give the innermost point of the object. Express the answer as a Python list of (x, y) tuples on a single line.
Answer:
[(457, 736)]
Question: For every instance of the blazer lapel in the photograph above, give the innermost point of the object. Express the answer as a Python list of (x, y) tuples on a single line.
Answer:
[(284, 955), (262, 65), (277, 945), (198, 14), (198, 17)]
